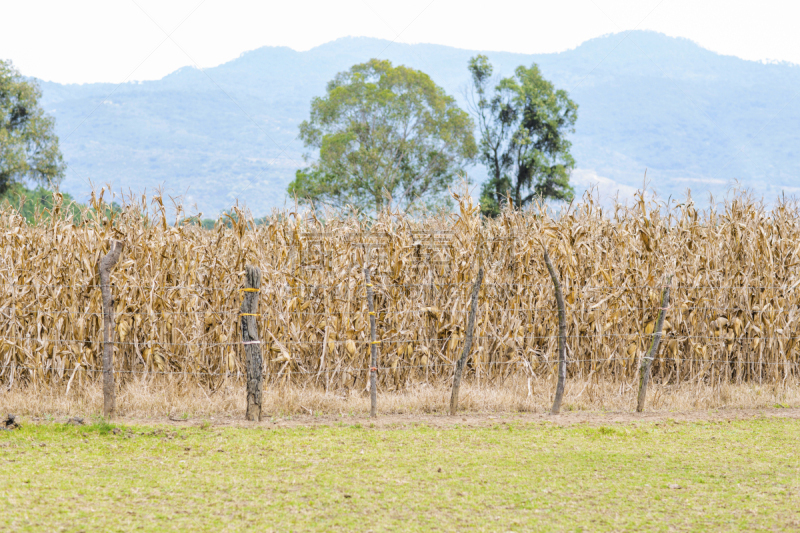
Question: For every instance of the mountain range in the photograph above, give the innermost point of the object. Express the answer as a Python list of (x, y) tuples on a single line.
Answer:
[(692, 118)]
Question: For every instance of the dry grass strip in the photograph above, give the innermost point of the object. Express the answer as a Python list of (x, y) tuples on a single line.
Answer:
[(165, 398)]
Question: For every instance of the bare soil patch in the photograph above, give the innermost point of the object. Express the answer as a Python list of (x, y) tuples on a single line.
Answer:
[(467, 420)]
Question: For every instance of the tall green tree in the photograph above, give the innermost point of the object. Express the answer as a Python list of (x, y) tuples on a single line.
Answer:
[(28, 144), (383, 133), (523, 122)]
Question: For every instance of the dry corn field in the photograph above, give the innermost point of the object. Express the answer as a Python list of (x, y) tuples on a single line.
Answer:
[(733, 315)]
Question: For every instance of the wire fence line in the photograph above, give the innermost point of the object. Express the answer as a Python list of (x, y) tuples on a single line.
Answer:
[(351, 370), (438, 363), (170, 300), (509, 338), (423, 343), (388, 314), (794, 286)]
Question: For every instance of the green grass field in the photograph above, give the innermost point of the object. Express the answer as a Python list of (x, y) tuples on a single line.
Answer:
[(669, 476)]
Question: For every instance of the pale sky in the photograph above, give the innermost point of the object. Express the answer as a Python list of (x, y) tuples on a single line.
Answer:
[(78, 41)]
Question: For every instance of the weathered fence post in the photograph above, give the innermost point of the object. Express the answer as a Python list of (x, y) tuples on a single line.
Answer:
[(252, 344), (373, 346), (107, 262), (644, 369), (562, 336), (467, 343)]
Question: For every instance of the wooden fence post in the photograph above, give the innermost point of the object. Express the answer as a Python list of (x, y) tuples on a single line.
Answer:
[(644, 369), (467, 344), (107, 262), (373, 346), (252, 344), (562, 336)]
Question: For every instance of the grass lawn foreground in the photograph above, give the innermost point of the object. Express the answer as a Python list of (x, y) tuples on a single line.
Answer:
[(668, 476)]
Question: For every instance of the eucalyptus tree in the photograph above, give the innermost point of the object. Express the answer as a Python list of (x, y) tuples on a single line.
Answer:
[(28, 144), (383, 136), (523, 122)]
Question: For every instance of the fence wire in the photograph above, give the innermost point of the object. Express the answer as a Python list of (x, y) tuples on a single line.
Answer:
[(379, 285), (352, 370), (510, 338), (388, 314), (277, 346)]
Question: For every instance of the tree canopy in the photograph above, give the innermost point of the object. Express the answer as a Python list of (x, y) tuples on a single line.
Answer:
[(28, 145), (386, 136), (523, 125)]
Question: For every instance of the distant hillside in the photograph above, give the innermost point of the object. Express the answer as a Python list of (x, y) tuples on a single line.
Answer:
[(693, 118)]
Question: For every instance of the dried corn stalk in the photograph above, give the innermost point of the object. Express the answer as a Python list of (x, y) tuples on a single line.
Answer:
[(734, 316)]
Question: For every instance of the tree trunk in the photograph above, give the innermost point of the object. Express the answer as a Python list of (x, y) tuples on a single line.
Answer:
[(467, 344), (107, 262), (373, 346), (562, 336), (644, 369), (251, 342)]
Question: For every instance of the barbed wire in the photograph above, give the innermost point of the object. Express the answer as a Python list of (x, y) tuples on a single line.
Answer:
[(389, 314), (434, 365), (509, 337), (117, 286), (358, 283)]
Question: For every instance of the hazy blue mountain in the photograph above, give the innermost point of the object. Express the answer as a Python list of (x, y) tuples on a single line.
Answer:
[(695, 119)]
